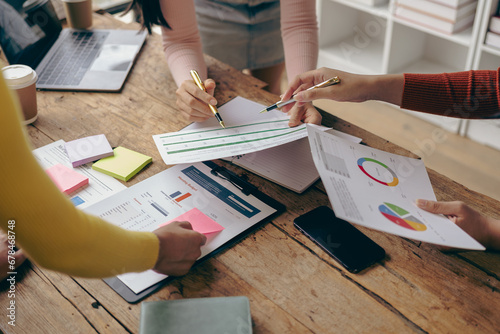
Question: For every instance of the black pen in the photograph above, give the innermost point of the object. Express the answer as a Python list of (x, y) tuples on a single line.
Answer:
[(200, 85), (279, 104)]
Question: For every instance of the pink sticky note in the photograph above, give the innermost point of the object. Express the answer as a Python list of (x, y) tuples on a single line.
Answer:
[(200, 222), (66, 179)]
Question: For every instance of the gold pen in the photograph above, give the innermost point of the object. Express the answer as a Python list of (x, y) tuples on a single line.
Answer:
[(199, 83), (279, 104)]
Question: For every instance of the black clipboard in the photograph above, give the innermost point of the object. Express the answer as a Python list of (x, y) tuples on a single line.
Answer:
[(247, 189)]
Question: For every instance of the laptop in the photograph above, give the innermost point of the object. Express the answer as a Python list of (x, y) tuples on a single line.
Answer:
[(66, 59)]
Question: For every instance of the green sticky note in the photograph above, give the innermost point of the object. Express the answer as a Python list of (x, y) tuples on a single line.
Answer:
[(123, 164)]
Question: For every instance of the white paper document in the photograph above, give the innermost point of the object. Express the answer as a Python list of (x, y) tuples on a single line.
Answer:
[(100, 185), (378, 190), (175, 191), (290, 165), (246, 131)]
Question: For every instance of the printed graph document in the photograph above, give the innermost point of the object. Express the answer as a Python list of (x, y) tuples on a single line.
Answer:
[(171, 194), (100, 185), (378, 190), (246, 131), (290, 165)]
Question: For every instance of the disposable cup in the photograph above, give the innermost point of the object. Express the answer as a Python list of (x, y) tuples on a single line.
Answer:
[(78, 13), (22, 80)]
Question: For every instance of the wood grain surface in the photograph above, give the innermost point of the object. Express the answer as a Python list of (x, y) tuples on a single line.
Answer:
[(293, 286)]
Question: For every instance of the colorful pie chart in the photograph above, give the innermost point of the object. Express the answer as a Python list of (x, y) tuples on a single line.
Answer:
[(401, 217), (394, 182)]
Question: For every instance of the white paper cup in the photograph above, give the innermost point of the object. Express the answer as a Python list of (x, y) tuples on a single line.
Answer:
[(22, 80), (78, 13)]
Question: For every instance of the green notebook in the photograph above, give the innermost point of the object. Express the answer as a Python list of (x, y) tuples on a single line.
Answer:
[(216, 315), (123, 164)]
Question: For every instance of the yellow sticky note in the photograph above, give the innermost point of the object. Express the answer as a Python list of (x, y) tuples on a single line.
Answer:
[(123, 164)]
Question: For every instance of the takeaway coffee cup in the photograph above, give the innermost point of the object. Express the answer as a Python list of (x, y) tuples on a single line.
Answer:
[(22, 80), (78, 13)]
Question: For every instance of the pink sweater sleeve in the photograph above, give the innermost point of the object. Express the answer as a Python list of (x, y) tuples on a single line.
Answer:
[(182, 43), (469, 94), (299, 30)]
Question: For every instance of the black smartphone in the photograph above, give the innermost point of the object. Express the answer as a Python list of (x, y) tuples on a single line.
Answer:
[(345, 243)]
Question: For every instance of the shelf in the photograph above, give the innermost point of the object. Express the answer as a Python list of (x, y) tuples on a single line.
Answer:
[(380, 11), (366, 39), (488, 60), (463, 38), (484, 131), (426, 66), (492, 50), (344, 53)]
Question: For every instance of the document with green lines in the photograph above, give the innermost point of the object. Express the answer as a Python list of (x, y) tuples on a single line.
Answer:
[(246, 131)]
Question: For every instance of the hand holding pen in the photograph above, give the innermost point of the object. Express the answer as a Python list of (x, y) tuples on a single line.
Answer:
[(278, 105), (192, 102), (201, 86)]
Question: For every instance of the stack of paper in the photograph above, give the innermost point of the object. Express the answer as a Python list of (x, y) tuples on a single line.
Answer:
[(261, 143), (246, 131), (290, 165), (448, 16)]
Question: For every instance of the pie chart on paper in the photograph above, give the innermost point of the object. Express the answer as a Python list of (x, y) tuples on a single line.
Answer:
[(362, 164), (401, 217)]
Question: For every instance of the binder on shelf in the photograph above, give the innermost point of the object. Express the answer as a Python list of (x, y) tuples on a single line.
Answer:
[(454, 3), (372, 2), (214, 191), (492, 39), (495, 24), (433, 22), (439, 11)]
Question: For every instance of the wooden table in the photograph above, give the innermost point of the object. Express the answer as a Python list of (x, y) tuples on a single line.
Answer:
[(293, 286)]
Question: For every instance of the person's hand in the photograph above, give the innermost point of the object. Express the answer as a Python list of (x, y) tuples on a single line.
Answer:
[(352, 87), (179, 248), (6, 260), (303, 113), (193, 102), (485, 230)]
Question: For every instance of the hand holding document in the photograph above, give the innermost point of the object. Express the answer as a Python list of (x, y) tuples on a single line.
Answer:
[(378, 190), (246, 131)]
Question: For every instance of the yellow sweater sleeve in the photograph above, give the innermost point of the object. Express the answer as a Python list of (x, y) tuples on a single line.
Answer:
[(47, 226)]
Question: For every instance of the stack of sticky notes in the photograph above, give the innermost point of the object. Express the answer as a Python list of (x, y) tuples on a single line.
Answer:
[(123, 164), (66, 179), (81, 151)]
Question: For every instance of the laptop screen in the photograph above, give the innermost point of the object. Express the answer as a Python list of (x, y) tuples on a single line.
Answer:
[(28, 28)]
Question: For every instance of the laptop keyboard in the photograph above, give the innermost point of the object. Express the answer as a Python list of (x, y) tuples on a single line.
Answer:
[(73, 58)]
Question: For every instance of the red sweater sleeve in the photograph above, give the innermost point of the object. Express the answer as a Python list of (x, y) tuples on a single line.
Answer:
[(470, 94)]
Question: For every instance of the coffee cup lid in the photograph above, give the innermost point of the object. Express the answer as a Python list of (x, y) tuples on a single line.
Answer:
[(30, 4), (19, 76)]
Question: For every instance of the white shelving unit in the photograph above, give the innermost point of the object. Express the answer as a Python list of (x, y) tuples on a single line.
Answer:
[(486, 58), (371, 40)]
